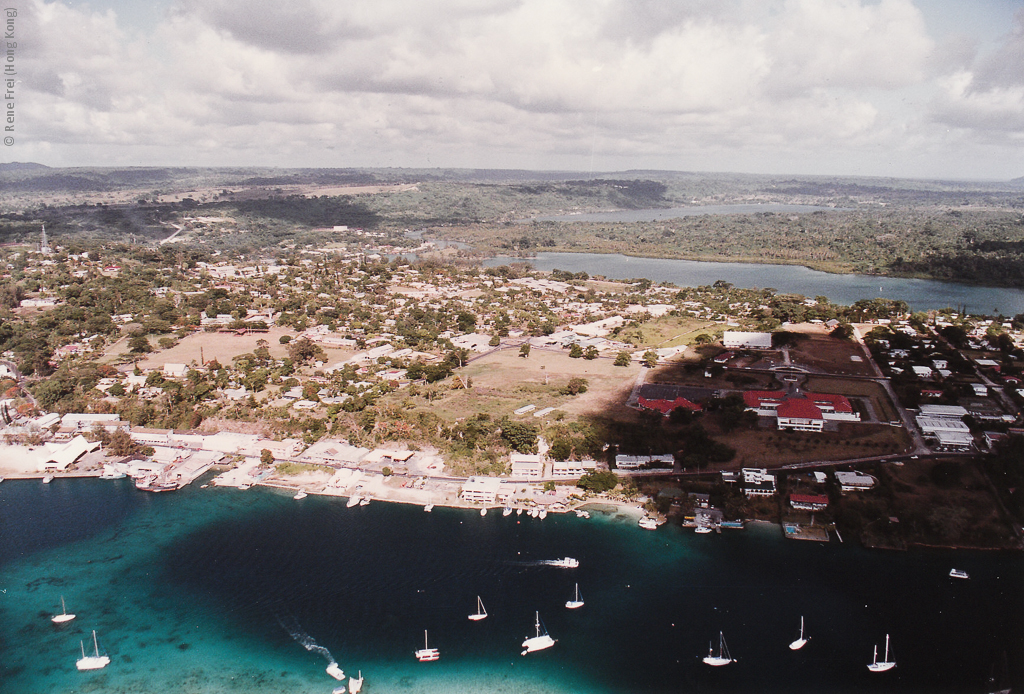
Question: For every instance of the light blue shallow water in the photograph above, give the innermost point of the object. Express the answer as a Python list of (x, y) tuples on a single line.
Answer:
[(204, 591)]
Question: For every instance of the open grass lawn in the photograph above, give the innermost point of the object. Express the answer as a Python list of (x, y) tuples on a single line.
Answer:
[(219, 346), (771, 448), (831, 355), (856, 388), (669, 331)]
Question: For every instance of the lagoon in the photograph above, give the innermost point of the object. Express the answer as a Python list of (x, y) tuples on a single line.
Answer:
[(921, 295)]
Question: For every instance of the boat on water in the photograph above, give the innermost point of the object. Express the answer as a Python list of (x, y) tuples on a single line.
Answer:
[(63, 616), (507, 511), (648, 523), (702, 529), (427, 653), (883, 664), (519, 511), (481, 612), (152, 483), (110, 473), (533, 513), (958, 573), (723, 657), (92, 662), (47, 479), (483, 511), (301, 494), (543, 514), (582, 514), (335, 671), (353, 501), (355, 683), (428, 508), (801, 641), (364, 501), (243, 487), (539, 642), (575, 602), (564, 563)]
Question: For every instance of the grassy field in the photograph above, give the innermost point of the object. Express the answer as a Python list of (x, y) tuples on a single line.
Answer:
[(669, 331)]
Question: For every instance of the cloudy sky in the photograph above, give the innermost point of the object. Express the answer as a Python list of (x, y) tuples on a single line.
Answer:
[(908, 88)]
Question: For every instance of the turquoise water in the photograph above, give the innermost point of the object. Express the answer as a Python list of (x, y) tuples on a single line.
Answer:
[(213, 590)]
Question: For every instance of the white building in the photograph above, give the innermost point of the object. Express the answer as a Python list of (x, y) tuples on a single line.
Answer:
[(481, 490), (736, 339), (854, 481), (527, 466)]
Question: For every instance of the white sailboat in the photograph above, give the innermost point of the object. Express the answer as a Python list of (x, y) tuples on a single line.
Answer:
[(538, 642), (885, 663), (355, 683), (481, 613), (63, 616), (723, 657), (575, 602), (92, 662), (427, 653), (800, 642)]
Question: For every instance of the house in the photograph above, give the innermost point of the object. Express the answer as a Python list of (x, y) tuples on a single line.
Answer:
[(527, 466), (735, 339), (757, 482), (175, 370), (808, 502), (802, 413), (799, 414), (854, 481), (572, 468), (724, 357), (666, 406), (482, 490)]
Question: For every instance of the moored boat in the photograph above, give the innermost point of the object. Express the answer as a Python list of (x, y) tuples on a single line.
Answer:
[(723, 657), (800, 641), (481, 612), (63, 616), (575, 602), (355, 683), (648, 523), (885, 663), (539, 642), (92, 662), (958, 573), (427, 654)]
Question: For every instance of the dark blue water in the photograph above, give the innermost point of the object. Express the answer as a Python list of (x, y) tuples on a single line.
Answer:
[(921, 295), (206, 590)]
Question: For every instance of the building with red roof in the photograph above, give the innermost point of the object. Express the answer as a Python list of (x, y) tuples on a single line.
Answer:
[(666, 406), (808, 502), (807, 412)]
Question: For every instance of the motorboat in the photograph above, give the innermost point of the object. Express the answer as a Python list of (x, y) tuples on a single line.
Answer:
[(539, 642), (47, 479), (427, 653), (428, 508), (301, 494), (564, 563), (92, 662), (648, 523), (575, 602), (958, 573), (353, 501), (723, 657), (702, 529), (543, 514), (883, 664), (801, 640), (519, 511), (481, 612), (507, 511), (483, 511), (364, 501), (63, 616), (335, 671), (534, 513)]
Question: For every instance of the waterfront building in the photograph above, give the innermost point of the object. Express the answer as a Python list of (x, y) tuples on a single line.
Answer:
[(808, 502), (482, 490)]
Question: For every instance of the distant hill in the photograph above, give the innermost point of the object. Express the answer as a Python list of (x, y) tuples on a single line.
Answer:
[(22, 166)]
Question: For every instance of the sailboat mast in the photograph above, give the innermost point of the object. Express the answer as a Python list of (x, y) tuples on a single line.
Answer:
[(95, 643), (886, 648)]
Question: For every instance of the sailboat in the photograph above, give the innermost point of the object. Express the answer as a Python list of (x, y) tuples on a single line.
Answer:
[(426, 653), (576, 602), (481, 612), (92, 662), (800, 642), (723, 657), (355, 683), (885, 663), (538, 642), (63, 616)]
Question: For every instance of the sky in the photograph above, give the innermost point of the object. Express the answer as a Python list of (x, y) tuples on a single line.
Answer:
[(892, 88)]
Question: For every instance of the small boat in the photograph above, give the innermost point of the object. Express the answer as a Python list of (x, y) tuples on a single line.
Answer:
[(519, 511), (353, 501), (335, 671), (800, 642), (702, 529), (426, 653), (564, 563), (723, 657), (355, 683), (575, 602), (243, 487), (339, 690), (110, 473), (47, 479), (958, 573), (507, 511), (885, 663), (428, 508), (582, 514), (481, 613), (63, 616), (538, 642), (543, 514), (483, 512), (648, 523), (301, 494), (364, 501), (92, 662), (534, 513)]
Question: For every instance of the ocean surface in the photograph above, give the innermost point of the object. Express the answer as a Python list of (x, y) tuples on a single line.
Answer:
[(221, 590), (921, 295)]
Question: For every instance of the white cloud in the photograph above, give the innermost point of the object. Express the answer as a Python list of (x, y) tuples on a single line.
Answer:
[(544, 83)]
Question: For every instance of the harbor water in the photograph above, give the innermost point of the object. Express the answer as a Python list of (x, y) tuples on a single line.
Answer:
[(221, 590)]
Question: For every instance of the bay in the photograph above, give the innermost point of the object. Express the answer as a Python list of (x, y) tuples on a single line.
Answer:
[(218, 590), (845, 289)]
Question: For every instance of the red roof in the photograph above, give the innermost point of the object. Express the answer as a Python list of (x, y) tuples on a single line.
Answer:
[(754, 398), (800, 408), (839, 402), (808, 499), (666, 406)]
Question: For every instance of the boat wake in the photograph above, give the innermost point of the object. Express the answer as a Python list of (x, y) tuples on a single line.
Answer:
[(291, 625)]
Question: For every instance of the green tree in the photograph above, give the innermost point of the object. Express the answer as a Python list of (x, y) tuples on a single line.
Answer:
[(598, 481), (494, 341), (590, 352), (575, 386), (622, 359), (266, 457), (524, 351), (575, 351), (139, 344), (520, 437), (650, 358)]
